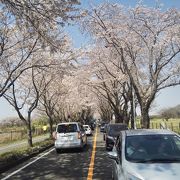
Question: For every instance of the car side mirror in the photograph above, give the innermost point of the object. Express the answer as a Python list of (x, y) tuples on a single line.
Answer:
[(113, 155)]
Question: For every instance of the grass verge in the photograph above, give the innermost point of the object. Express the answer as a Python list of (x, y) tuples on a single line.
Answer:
[(10, 159)]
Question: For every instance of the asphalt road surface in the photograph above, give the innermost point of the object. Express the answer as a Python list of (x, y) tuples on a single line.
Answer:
[(92, 163)]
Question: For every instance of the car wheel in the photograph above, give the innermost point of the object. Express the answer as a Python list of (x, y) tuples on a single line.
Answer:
[(107, 148), (86, 141), (113, 175), (58, 151), (81, 148)]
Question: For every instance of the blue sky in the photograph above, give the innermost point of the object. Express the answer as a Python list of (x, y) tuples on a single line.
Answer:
[(166, 98)]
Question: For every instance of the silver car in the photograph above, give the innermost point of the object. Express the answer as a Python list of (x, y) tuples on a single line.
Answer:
[(87, 129), (69, 135), (146, 155)]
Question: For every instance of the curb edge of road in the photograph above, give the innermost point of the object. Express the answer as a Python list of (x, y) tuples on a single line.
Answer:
[(12, 163)]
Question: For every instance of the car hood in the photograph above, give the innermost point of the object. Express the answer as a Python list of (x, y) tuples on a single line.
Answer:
[(154, 171)]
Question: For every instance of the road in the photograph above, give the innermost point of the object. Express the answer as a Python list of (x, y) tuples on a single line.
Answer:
[(92, 163)]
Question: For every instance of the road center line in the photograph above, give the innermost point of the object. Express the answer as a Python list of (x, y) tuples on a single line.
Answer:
[(15, 172), (91, 166)]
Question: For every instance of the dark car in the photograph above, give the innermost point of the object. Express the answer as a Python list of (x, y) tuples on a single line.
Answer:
[(102, 127), (113, 130), (92, 125), (105, 131)]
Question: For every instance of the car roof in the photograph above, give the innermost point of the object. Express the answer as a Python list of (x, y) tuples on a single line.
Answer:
[(118, 124), (68, 123), (86, 126), (148, 132)]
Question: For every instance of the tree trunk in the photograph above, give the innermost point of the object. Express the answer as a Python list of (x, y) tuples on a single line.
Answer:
[(126, 119), (145, 120), (118, 117), (132, 115), (29, 131), (51, 127)]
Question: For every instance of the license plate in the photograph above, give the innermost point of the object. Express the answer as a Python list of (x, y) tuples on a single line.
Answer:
[(69, 138)]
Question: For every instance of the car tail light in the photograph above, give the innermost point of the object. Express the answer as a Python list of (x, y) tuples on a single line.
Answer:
[(55, 135), (79, 135)]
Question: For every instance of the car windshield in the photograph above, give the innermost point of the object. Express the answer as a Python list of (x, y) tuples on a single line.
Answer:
[(115, 129), (103, 125), (153, 148), (67, 128), (86, 127)]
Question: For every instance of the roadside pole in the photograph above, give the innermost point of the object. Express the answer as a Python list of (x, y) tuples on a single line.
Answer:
[(134, 109)]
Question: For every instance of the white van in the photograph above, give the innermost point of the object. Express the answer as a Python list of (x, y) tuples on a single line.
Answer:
[(69, 135)]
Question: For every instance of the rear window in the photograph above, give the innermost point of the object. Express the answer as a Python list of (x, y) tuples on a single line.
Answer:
[(67, 128), (114, 130)]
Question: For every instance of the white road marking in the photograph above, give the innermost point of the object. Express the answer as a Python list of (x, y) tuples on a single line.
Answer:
[(15, 172)]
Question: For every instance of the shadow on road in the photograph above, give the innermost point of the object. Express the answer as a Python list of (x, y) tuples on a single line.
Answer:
[(69, 165), (76, 150), (103, 165)]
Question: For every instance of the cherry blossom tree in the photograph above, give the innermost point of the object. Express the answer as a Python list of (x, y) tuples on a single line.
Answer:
[(24, 95), (78, 100), (16, 49), (26, 26), (104, 109), (41, 17), (111, 83), (25, 92), (147, 42), (53, 96)]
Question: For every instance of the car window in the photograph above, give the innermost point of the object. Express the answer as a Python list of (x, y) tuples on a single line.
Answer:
[(67, 128), (85, 129), (177, 142), (106, 127), (152, 147)]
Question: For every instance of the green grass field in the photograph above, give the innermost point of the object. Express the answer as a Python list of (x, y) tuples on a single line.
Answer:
[(172, 124)]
